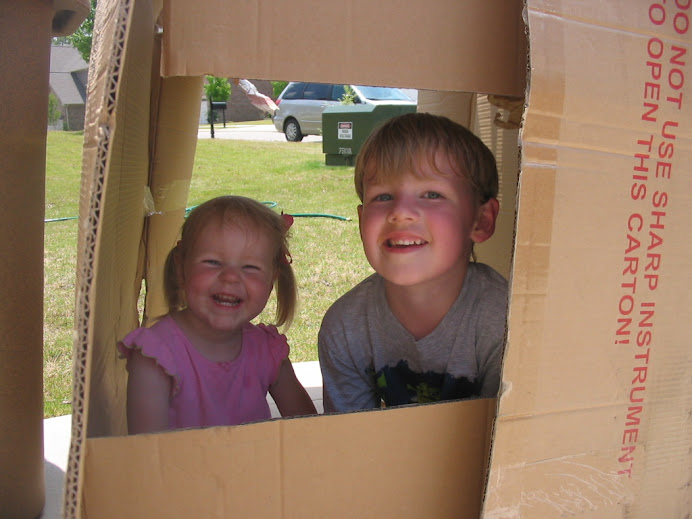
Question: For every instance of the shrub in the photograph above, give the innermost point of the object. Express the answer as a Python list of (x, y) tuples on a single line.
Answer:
[(54, 112), (349, 97)]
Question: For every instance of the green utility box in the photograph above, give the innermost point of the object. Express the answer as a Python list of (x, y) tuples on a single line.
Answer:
[(345, 128)]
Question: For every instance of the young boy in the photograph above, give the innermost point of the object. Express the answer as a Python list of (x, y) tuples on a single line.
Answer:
[(429, 324)]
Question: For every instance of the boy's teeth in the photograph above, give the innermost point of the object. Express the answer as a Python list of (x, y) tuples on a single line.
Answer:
[(405, 242)]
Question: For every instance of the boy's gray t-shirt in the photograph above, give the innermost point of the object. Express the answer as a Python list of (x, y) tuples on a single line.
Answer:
[(367, 356)]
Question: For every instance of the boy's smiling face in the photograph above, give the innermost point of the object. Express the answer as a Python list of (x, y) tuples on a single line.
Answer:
[(419, 228)]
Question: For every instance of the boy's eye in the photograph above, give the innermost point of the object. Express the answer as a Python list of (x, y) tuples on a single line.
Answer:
[(432, 195), (383, 197)]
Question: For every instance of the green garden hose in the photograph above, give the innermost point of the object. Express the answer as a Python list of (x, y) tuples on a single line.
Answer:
[(270, 204)]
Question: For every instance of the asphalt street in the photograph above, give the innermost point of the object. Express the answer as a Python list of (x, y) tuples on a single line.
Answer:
[(250, 132)]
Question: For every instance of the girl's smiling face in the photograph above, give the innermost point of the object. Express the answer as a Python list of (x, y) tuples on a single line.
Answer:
[(227, 277), (419, 227)]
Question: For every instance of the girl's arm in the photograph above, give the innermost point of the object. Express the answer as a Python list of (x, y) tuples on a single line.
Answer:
[(289, 395), (148, 390)]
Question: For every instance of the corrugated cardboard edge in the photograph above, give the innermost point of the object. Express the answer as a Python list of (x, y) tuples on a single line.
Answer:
[(130, 147), (107, 55)]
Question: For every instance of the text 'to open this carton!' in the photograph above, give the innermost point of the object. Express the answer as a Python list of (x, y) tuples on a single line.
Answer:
[(594, 141)]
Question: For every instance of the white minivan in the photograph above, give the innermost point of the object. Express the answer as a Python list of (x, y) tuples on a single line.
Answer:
[(301, 105)]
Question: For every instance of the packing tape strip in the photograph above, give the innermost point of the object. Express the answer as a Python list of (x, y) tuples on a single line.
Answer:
[(171, 196)]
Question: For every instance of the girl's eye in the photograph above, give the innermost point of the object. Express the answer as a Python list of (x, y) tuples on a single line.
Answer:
[(211, 262), (251, 267), (432, 195)]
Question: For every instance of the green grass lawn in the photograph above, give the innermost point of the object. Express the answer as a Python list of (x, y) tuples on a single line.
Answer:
[(327, 254)]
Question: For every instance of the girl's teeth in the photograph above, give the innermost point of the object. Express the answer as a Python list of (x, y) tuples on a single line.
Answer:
[(227, 300)]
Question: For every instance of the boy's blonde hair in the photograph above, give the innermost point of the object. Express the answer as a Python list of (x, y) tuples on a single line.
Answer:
[(396, 146), (241, 211)]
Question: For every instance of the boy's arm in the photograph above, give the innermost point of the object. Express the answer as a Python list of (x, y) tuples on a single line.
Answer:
[(492, 372), (491, 348), (348, 384), (288, 393)]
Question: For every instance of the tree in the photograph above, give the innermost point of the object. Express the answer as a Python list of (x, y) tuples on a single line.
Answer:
[(278, 87), (217, 88)]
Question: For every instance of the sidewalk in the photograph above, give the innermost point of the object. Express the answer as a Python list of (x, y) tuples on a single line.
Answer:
[(57, 432), (249, 132)]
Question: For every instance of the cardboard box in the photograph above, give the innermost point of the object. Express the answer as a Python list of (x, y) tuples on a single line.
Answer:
[(27, 28), (589, 423)]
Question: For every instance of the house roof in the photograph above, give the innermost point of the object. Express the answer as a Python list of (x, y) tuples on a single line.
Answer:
[(68, 72), (65, 58)]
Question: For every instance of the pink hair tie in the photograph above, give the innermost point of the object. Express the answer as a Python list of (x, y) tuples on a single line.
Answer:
[(288, 219), (286, 257)]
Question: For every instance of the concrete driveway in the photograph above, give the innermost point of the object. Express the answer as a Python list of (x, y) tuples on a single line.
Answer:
[(250, 132)]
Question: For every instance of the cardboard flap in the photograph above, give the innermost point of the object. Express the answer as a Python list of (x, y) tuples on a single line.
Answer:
[(324, 466), (359, 42), (68, 15), (593, 403), (25, 64)]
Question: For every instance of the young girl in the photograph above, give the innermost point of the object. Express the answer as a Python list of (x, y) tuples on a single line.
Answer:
[(204, 363)]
